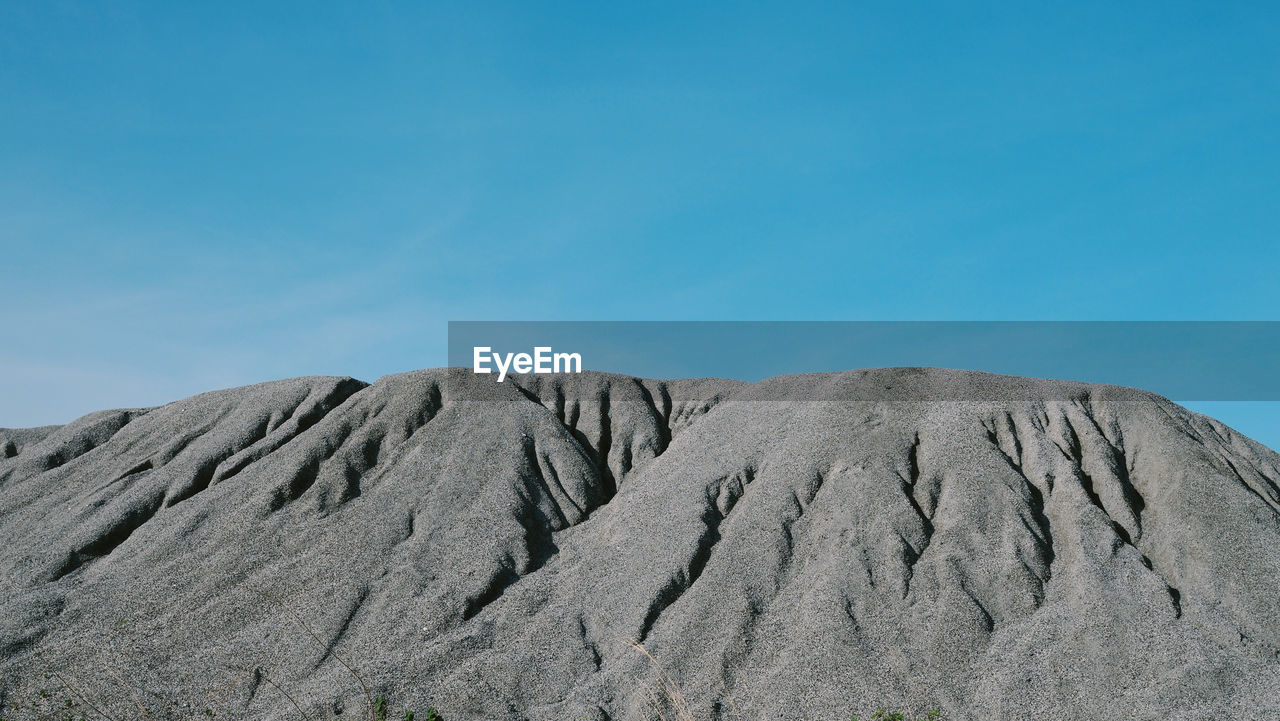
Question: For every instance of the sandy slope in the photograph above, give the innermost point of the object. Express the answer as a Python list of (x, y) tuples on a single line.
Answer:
[(1086, 553)]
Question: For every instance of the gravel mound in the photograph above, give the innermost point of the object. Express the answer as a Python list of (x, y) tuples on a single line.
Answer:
[(1076, 553)]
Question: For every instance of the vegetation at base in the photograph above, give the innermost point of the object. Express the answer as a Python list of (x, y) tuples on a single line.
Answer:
[(668, 702), (883, 714), (75, 702)]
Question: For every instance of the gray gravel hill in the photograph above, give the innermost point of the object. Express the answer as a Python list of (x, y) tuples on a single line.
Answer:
[(1062, 552)]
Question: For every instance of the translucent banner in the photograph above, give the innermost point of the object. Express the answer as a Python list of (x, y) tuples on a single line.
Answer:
[(1181, 360)]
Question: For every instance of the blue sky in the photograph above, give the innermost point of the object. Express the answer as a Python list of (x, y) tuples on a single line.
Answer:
[(202, 195)]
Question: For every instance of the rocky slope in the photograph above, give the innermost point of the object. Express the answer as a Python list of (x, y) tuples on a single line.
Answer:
[(1065, 552)]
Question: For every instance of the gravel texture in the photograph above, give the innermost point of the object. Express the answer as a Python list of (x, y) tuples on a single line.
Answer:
[(1079, 552)]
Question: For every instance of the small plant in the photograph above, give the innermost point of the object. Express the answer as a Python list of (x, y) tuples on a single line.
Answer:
[(381, 710)]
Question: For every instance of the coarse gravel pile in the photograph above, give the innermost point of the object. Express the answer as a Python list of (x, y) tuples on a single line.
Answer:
[(1048, 550)]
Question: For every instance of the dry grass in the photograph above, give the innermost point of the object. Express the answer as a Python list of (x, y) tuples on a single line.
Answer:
[(668, 702), (80, 702), (669, 697), (663, 697)]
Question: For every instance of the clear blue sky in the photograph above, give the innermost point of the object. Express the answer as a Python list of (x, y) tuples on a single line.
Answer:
[(203, 195)]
